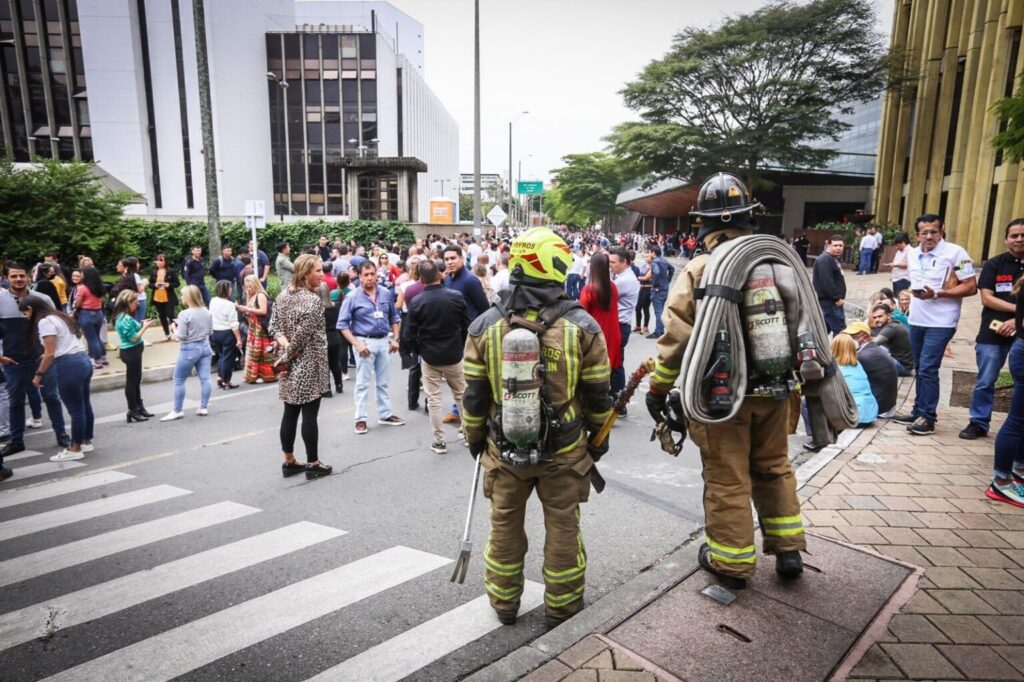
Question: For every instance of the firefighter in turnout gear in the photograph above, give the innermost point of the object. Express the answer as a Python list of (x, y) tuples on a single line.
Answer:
[(747, 456), (570, 374)]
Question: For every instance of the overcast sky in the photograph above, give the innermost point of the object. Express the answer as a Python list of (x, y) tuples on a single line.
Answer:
[(562, 60)]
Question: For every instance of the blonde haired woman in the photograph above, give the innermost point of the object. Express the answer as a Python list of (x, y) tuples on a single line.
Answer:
[(259, 357), (193, 329), (844, 351), (298, 327)]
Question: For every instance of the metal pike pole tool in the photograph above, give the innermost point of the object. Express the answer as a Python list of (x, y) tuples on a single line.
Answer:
[(462, 563)]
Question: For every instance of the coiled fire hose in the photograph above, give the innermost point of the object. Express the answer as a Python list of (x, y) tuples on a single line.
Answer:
[(830, 403)]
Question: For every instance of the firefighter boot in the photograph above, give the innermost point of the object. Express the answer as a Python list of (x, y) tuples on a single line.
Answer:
[(730, 581), (789, 565), (508, 617)]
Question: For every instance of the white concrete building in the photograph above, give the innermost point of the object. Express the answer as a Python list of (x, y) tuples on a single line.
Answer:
[(355, 132)]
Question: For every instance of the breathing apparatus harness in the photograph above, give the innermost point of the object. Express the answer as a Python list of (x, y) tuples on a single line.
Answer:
[(527, 428), (739, 273)]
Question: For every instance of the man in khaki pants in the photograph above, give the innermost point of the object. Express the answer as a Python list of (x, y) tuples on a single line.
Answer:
[(435, 328)]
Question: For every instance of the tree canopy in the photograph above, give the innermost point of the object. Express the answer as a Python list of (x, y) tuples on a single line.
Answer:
[(60, 207), (586, 188), (761, 89), (1010, 111)]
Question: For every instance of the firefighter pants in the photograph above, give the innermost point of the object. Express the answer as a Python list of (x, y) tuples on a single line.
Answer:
[(560, 489), (746, 458)]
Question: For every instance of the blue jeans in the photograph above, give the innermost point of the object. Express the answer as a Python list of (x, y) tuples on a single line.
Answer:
[(19, 385), (928, 345), (91, 322), (74, 372), (835, 319), (618, 378), (990, 357), (1010, 439), (865, 261), (204, 293), (379, 364), (192, 354), (658, 298), (572, 286), (140, 312), (227, 350)]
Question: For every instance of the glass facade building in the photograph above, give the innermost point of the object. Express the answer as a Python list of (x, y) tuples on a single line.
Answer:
[(323, 107), (44, 109)]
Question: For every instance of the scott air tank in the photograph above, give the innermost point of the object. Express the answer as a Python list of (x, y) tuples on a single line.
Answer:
[(520, 401), (764, 316)]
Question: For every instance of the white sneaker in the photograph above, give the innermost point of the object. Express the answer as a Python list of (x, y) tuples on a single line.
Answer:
[(202, 412), (171, 416), (66, 455), (33, 423), (259, 380), (87, 447)]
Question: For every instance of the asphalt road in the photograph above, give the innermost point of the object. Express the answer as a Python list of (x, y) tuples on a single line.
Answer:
[(242, 574)]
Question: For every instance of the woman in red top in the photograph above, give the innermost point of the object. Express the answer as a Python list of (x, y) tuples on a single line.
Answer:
[(89, 314), (600, 298)]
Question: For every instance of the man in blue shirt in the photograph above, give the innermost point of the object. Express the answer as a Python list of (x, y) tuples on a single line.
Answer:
[(195, 273), (660, 280), (369, 322)]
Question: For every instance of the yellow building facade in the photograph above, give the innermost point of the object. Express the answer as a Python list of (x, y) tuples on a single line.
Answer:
[(935, 153)]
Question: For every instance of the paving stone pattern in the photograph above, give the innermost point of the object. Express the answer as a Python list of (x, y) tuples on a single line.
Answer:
[(926, 505)]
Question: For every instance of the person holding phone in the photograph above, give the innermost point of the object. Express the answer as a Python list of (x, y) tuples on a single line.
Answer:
[(941, 276)]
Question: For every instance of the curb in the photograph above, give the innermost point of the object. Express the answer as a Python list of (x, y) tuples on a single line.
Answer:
[(115, 381)]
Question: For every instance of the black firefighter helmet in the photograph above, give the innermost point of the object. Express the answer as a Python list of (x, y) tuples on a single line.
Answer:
[(723, 201)]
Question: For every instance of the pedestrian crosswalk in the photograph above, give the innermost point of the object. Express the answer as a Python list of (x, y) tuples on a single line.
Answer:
[(181, 647)]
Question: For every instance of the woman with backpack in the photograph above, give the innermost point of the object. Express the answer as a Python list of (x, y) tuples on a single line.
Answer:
[(259, 358)]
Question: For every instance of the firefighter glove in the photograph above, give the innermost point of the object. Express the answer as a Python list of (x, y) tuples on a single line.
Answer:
[(475, 448), (657, 406), (597, 451)]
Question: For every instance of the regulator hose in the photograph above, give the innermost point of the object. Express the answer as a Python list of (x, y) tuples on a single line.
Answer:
[(728, 270)]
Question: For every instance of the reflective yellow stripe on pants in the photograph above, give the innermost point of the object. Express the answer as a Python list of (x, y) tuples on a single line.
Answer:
[(732, 555), (572, 578), (782, 526)]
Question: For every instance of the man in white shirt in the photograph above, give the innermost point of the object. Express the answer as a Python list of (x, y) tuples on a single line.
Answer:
[(499, 282), (474, 251), (868, 243), (900, 275), (941, 276), (629, 292)]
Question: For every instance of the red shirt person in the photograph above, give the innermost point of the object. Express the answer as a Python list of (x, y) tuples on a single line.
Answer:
[(600, 298)]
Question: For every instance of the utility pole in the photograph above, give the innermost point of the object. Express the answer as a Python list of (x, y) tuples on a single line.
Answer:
[(206, 121), (477, 218)]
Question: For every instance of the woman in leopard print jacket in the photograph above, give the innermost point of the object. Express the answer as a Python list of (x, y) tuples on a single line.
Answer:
[(297, 324)]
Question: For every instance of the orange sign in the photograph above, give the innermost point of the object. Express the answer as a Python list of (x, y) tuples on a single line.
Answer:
[(442, 212)]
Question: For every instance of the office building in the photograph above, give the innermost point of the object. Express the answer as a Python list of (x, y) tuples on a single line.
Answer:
[(935, 154), (319, 108)]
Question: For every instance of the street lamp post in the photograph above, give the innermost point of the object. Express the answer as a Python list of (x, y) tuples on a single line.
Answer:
[(510, 124), (442, 181), (282, 86)]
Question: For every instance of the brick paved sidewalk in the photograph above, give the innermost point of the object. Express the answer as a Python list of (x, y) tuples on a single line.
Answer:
[(922, 500)]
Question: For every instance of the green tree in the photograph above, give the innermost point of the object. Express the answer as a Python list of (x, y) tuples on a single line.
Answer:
[(60, 207), (1010, 110), (761, 89), (587, 187), (559, 212)]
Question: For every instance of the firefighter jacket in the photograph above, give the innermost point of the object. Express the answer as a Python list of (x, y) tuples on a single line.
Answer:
[(576, 380)]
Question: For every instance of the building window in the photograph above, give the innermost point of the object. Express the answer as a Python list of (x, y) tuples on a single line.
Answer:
[(954, 122), (154, 157), (179, 58), (378, 196), (1011, 74)]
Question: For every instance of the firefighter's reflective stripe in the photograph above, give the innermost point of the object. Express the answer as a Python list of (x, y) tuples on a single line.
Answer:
[(732, 555), (572, 358), (508, 570), (598, 372), (472, 420), (557, 601), (475, 370), (664, 375), (577, 572), (782, 525), (494, 361), (503, 593)]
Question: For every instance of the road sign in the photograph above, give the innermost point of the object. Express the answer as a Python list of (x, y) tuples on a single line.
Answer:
[(255, 213), (531, 187), (496, 215)]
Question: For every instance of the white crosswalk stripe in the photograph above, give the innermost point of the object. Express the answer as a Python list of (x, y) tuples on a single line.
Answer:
[(33, 470), (87, 510), (100, 600), (42, 491), (203, 641), (22, 455), (105, 544), (420, 646)]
